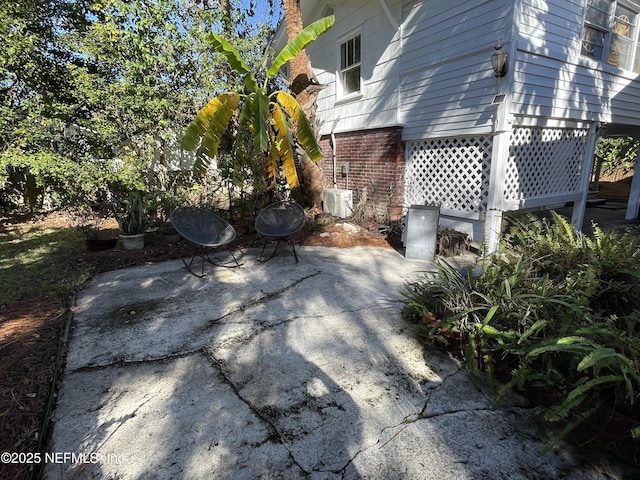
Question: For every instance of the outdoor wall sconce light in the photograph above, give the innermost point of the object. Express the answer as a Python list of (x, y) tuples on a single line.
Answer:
[(499, 61)]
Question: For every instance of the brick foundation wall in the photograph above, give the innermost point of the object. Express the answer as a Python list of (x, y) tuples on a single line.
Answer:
[(376, 167)]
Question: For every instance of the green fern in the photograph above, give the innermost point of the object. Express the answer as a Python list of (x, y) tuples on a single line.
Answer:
[(565, 305)]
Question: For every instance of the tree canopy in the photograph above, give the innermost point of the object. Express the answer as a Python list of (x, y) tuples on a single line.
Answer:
[(97, 80)]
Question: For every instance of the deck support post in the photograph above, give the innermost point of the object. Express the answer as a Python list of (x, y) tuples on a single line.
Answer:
[(634, 194), (579, 206), (499, 158)]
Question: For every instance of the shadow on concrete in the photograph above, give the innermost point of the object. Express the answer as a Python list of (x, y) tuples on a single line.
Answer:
[(278, 370)]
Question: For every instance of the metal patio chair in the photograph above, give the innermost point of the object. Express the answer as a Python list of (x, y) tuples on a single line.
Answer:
[(206, 231), (279, 222)]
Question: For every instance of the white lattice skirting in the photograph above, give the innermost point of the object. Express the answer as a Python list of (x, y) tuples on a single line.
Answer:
[(450, 172), (544, 164)]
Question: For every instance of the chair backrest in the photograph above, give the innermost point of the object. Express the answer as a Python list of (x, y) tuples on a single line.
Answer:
[(202, 226), (280, 220)]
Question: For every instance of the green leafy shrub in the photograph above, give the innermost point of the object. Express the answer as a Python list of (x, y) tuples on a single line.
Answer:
[(131, 215), (565, 306), (617, 154)]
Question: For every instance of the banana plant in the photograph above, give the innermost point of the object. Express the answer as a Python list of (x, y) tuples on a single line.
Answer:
[(274, 119)]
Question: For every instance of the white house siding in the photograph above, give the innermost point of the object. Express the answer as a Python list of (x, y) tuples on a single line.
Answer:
[(552, 82), (555, 25), (548, 87), (432, 75), (378, 105), (433, 78), (624, 90), (556, 95), (447, 87), (446, 81)]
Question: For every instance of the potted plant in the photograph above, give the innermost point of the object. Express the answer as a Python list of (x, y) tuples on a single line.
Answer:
[(131, 221), (91, 223), (394, 205), (169, 201), (90, 212)]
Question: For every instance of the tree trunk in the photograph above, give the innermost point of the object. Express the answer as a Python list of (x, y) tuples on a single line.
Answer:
[(225, 7), (305, 87)]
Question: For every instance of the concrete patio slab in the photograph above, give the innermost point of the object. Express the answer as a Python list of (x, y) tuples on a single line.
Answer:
[(279, 370)]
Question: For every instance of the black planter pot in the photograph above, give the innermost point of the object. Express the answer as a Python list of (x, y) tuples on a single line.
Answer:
[(99, 244), (171, 237)]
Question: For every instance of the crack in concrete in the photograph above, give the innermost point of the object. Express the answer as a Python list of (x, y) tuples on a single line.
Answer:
[(274, 434), (261, 326), (433, 388), (408, 420), (272, 295), (120, 362), (423, 415), (180, 352), (262, 299), (405, 423)]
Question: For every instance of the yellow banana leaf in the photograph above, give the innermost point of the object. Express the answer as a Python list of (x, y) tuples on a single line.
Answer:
[(304, 132), (307, 138), (200, 124), (290, 105), (271, 164), (284, 145), (215, 130)]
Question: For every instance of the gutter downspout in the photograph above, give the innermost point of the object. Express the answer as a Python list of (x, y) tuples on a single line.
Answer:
[(334, 150)]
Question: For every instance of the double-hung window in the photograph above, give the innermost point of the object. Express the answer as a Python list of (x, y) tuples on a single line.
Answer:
[(349, 67), (610, 33)]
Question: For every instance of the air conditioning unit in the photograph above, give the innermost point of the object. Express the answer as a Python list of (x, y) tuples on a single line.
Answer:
[(338, 202)]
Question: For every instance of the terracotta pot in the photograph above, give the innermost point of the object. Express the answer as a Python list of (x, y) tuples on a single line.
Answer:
[(394, 213)]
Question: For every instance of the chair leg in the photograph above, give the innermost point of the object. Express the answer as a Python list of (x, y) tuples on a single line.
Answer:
[(225, 265), (293, 248), (273, 254), (264, 245), (188, 265), (204, 255)]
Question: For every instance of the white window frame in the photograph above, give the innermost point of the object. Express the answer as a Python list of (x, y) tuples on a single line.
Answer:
[(612, 31), (341, 94)]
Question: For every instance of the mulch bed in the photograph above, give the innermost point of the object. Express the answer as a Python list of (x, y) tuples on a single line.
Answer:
[(29, 345)]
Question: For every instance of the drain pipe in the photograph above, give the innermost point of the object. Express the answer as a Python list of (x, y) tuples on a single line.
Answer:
[(334, 150)]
